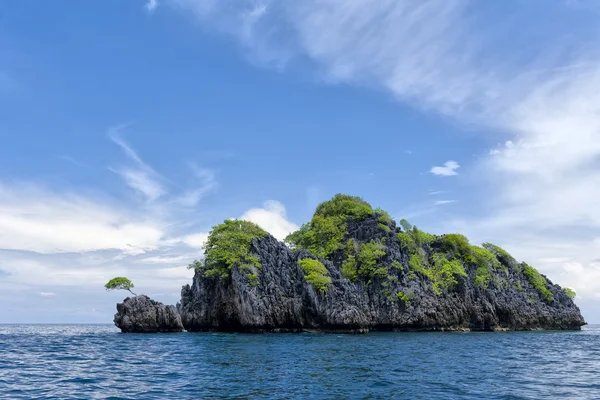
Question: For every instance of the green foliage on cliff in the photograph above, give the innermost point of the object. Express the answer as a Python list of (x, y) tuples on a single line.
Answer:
[(120, 283), (570, 292), (324, 234), (405, 297), (503, 257), (316, 274), (228, 244), (368, 257), (445, 273), (537, 281)]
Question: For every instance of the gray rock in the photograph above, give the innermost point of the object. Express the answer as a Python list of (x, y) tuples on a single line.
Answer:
[(140, 314), (283, 301)]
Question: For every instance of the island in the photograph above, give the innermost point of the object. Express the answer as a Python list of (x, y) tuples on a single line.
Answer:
[(352, 269)]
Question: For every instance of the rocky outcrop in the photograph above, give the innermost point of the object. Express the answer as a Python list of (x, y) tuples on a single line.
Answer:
[(140, 314), (282, 300)]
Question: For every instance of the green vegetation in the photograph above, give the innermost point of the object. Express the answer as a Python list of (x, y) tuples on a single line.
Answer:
[(324, 234), (445, 273), (441, 260), (316, 274), (537, 281), (363, 261), (386, 222), (405, 297), (503, 256), (120, 283), (485, 260), (368, 258), (229, 245), (570, 292)]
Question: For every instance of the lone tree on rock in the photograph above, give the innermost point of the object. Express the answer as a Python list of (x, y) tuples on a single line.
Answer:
[(120, 282)]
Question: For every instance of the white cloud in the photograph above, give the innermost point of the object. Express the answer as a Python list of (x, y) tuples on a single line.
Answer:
[(272, 218), (448, 169), (196, 240), (151, 5), (47, 294), (44, 221)]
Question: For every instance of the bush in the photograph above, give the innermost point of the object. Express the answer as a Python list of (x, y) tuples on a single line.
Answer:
[(343, 204), (486, 263), (538, 282), (384, 217), (446, 273), (503, 256), (368, 257), (315, 274), (328, 227), (228, 245), (570, 292), (405, 297)]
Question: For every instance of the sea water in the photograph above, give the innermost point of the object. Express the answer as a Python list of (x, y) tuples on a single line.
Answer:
[(98, 362)]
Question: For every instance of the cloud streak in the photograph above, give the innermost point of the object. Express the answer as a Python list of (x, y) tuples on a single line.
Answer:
[(140, 176), (448, 169)]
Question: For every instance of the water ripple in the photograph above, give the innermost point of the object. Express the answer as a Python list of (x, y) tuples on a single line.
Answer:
[(97, 362)]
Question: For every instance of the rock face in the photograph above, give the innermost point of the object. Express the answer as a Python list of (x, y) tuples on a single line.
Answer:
[(140, 314), (281, 299)]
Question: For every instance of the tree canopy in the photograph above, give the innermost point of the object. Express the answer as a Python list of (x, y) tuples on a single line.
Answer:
[(120, 283)]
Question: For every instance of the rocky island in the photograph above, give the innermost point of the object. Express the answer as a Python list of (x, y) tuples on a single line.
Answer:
[(352, 269)]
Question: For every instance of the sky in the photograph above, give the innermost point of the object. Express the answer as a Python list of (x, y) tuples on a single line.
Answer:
[(128, 128)]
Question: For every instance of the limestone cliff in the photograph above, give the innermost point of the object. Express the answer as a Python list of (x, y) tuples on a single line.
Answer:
[(366, 274)]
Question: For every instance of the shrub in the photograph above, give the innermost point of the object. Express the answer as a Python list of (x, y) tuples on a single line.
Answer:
[(328, 227), (570, 292), (315, 274), (368, 257), (228, 245), (342, 204), (537, 281), (486, 263), (503, 256), (405, 297), (446, 273), (407, 243), (384, 217), (456, 244), (348, 269)]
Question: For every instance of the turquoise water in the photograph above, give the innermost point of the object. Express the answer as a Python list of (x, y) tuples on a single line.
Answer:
[(97, 362)]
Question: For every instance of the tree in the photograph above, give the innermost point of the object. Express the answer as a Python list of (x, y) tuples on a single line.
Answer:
[(120, 283), (405, 225)]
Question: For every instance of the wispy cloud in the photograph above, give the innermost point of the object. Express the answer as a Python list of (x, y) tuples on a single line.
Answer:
[(140, 176), (71, 160), (441, 202), (448, 169), (47, 294), (205, 183), (151, 5)]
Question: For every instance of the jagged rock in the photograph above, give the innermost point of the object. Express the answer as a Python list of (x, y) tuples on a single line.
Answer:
[(281, 300), (140, 314)]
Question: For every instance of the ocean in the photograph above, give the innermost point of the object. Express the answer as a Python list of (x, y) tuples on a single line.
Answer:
[(98, 362)]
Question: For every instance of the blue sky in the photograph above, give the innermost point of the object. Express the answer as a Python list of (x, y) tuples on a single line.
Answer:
[(129, 128)]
